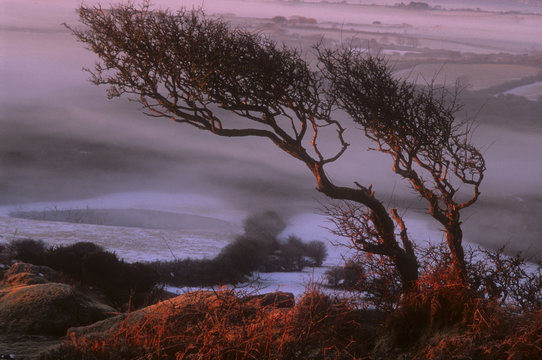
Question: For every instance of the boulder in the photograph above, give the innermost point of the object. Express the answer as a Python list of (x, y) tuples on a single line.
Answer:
[(154, 313), (192, 306), (29, 304)]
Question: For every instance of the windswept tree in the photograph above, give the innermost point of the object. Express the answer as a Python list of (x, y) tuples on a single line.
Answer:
[(189, 68), (418, 128)]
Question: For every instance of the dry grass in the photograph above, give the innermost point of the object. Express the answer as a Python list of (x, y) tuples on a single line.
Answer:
[(223, 325), (498, 337), (443, 323), (444, 319)]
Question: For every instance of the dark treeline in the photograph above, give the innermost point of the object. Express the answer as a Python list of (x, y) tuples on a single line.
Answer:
[(257, 249)]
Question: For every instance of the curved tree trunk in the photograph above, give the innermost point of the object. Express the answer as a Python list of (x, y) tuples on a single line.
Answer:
[(404, 259), (454, 238), (408, 270)]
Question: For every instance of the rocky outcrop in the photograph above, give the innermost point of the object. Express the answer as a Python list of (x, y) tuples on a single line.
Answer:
[(191, 305), (31, 302)]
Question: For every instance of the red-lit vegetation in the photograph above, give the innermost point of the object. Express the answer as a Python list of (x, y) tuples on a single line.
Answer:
[(222, 325), (443, 320)]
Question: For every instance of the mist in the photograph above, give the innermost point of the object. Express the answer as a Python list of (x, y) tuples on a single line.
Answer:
[(61, 140)]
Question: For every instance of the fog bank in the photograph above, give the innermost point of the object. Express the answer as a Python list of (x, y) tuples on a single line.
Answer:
[(62, 140)]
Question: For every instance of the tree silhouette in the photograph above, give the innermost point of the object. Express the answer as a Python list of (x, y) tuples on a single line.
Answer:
[(187, 67)]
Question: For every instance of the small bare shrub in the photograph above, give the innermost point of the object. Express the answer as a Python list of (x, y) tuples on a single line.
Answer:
[(27, 250), (510, 280), (373, 276)]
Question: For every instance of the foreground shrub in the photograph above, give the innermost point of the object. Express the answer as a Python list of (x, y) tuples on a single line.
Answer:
[(499, 336), (510, 280), (441, 303), (28, 250), (493, 276)]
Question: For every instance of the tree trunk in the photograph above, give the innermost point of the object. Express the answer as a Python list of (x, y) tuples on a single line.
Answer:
[(407, 265), (454, 238), (404, 259)]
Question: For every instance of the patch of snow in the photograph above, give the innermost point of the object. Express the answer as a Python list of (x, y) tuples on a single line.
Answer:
[(531, 92), (297, 283)]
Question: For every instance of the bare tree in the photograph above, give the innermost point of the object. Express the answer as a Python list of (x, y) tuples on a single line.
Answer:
[(187, 67), (418, 128)]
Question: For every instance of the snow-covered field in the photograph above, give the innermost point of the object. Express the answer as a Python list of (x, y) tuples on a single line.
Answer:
[(143, 244), (130, 243), (531, 91)]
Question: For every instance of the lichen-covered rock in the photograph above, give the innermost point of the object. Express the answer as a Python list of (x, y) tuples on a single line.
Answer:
[(186, 303), (30, 304), (49, 308), (193, 306)]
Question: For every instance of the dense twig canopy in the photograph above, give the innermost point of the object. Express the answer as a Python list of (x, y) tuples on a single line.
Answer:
[(418, 128), (184, 66)]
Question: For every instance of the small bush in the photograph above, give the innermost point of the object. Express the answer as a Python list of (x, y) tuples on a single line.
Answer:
[(292, 253), (371, 275), (27, 250), (245, 254), (507, 279), (316, 251), (350, 277)]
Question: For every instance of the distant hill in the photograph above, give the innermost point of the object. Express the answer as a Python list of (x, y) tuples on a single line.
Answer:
[(149, 219)]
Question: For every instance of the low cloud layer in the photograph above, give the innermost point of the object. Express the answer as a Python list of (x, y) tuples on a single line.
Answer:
[(62, 139)]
